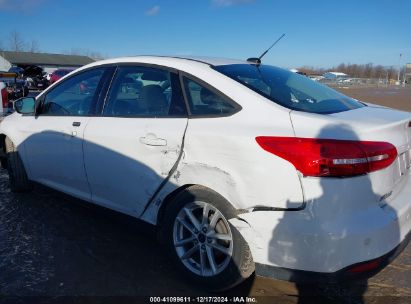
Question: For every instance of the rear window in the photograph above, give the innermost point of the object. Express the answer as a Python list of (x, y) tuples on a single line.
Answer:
[(289, 89)]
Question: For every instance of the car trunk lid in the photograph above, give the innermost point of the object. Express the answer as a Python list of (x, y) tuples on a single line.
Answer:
[(370, 123)]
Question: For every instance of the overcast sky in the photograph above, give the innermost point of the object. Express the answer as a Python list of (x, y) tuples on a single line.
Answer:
[(318, 33)]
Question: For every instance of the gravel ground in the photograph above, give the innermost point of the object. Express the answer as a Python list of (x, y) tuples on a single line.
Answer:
[(52, 246), (394, 97)]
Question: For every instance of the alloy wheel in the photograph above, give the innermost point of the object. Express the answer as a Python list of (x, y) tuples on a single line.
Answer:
[(202, 239)]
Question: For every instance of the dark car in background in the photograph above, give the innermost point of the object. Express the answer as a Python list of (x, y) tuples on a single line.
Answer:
[(32, 74), (19, 71), (59, 73)]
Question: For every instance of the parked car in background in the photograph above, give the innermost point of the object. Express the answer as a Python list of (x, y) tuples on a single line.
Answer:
[(47, 76), (4, 98), (59, 73), (33, 75), (12, 88), (17, 70), (241, 166)]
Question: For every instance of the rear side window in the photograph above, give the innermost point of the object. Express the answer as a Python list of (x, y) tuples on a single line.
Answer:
[(289, 89), (205, 102), (145, 92)]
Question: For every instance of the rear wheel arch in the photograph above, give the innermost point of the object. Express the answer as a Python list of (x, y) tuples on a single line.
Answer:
[(241, 264), (170, 199)]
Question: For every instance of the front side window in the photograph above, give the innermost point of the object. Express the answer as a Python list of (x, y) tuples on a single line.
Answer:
[(289, 89), (145, 92), (204, 102), (74, 96)]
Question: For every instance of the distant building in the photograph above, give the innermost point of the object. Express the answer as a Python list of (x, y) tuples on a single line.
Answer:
[(298, 72), (315, 77), (334, 75), (408, 73), (49, 62)]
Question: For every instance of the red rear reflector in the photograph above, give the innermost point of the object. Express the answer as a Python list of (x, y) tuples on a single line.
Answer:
[(330, 157), (364, 267), (5, 98)]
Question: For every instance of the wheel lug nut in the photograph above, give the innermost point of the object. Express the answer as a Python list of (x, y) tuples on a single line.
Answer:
[(195, 231), (202, 247), (209, 240), (204, 229)]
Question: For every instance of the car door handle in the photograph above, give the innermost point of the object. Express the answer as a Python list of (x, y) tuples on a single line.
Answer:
[(152, 140), (76, 124)]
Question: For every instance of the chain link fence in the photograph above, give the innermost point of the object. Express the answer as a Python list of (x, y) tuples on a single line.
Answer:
[(363, 83)]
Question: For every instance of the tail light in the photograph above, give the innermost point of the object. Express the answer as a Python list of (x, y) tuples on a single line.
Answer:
[(5, 98), (365, 267), (330, 157)]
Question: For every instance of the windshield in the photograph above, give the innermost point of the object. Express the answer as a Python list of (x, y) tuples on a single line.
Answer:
[(291, 90)]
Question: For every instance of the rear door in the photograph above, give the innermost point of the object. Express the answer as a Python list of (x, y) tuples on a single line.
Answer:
[(131, 149)]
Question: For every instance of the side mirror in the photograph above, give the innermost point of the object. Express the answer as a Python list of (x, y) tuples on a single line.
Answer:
[(25, 105)]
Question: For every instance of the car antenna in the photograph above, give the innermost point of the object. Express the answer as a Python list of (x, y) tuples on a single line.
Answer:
[(258, 60)]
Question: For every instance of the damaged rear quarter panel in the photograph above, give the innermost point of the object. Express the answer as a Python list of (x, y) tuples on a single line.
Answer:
[(222, 154)]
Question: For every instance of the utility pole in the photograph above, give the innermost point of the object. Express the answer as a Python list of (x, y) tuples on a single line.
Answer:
[(403, 74), (399, 70), (386, 79)]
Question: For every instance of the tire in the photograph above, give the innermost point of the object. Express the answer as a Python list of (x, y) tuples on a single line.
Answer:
[(215, 258), (17, 174)]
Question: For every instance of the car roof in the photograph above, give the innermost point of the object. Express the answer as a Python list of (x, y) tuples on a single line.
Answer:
[(214, 61), (197, 66), (172, 61)]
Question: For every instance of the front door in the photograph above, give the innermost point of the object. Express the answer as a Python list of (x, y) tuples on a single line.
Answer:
[(54, 147)]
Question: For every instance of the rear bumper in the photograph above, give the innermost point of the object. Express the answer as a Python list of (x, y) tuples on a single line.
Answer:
[(361, 270), (341, 227)]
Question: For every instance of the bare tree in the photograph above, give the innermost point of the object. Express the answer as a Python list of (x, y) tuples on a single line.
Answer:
[(34, 46), (342, 68), (392, 72), (85, 52), (95, 55), (358, 70), (379, 72), (16, 42), (368, 70)]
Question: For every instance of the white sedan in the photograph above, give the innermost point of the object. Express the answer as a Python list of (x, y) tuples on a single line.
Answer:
[(242, 166)]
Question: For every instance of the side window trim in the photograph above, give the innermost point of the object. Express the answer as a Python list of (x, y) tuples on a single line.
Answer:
[(101, 90), (237, 107), (185, 96), (108, 78)]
